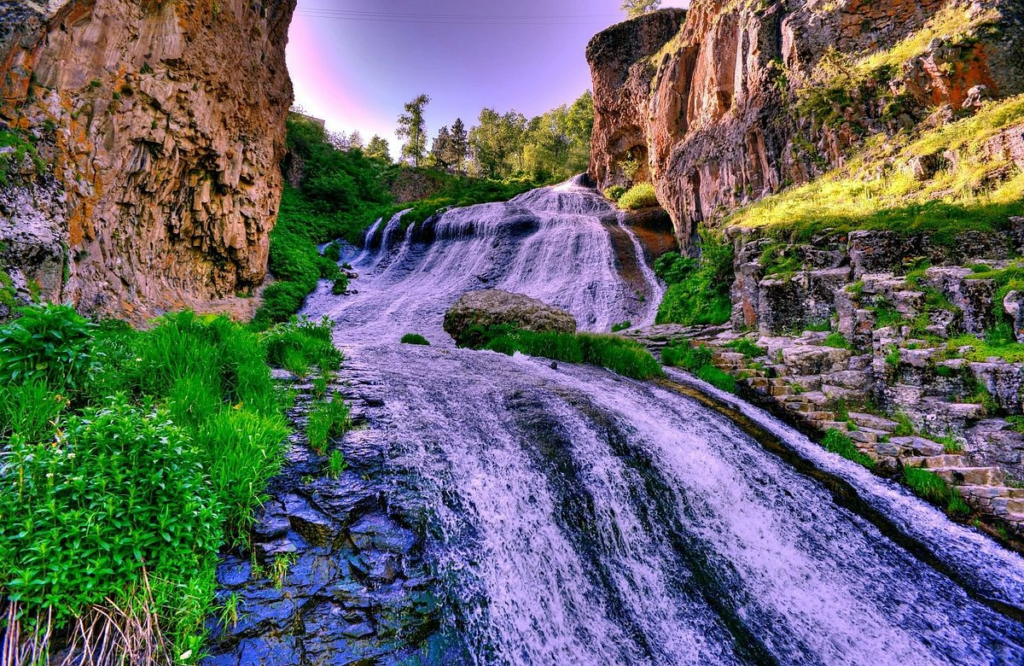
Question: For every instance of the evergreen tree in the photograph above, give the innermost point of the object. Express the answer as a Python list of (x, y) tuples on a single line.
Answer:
[(412, 126), (378, 149), (441, 150), (459, 146), (634, 8)]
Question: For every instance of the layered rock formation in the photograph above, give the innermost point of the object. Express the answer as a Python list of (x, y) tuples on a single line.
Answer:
[(717, 109), (161, 123)]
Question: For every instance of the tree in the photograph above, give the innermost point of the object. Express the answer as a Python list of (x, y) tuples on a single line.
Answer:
[(459, 146), (634, 8), (412, 126), (378, 149), (498, 143), (440, 151), (355, 140)]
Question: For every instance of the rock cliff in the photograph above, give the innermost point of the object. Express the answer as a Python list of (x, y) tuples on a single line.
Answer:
[(734, 100), (157, 127)]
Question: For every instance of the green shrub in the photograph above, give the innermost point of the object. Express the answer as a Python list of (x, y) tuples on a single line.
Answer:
[(641, 195), (839, 443), (51, 343), (622, 326), (120, 488), (626, 357), (614, 193), (698, 291), (340, 285), (746, 347), (933, 488), (414, 339)]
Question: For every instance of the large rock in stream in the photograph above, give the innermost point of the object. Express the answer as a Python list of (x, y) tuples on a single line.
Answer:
[(480, 310)]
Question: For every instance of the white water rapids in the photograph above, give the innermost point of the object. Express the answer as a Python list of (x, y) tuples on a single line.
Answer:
[(581, 518)]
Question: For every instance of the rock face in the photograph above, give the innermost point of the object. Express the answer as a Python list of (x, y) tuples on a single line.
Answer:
[(712, 109), (162, 126), (493, 307)]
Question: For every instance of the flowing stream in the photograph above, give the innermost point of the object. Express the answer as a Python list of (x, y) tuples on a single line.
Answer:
[(577, 517)]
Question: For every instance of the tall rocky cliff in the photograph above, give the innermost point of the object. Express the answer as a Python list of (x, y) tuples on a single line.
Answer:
[(142, 140), (736, 99)]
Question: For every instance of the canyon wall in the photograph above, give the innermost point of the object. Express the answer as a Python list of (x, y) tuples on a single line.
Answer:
[(154, 130), (713, 102)]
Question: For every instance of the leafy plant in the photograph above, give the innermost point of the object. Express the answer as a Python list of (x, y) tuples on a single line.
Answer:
[(614, 193), (639, 196), (698, 290), (51, 343)]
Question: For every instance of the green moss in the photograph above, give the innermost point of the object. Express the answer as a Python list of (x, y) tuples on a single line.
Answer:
[(626, 357), (837, 341), (414, 339), (746, 347), (17, 147)]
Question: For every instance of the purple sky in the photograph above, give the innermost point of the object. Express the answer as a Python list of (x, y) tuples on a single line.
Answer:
[(356, 62)]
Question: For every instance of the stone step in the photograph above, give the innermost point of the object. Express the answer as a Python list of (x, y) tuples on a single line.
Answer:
[(873, 422), (830, 425), (1016, 519), (972, 476), (1006, 505), (935, 462), (821, 416), (919, 446)]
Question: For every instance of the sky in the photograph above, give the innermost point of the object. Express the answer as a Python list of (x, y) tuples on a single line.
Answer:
[(355, 63)]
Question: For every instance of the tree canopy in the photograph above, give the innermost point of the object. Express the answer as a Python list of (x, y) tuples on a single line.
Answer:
[(634, 8)]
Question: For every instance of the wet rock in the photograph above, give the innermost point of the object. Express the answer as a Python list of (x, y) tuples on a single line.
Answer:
[(493, 307), (382, 533)]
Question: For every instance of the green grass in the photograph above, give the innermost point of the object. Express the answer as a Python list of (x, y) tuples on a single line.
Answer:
[(698, 290), (953, 203), (415, 339), (932, 488), (23, 147), (840, 444), (837, 341), (698, 360), (641, 195), (625, 357), (622, 326), (146, 448), (327, 421), (746, 347), (904, 426)]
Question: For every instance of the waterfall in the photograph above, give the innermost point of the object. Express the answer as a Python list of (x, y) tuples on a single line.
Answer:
[(577, 517)]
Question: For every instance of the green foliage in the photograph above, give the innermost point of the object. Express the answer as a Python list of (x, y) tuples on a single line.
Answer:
[(414, 339), (841, 444), (746, 347), (933, 488), (698, 360), (904, 426), (837, 341), (622, 326), (698, 290), (336, 465), (614, 193), (301, 343), (120, 488), (21, 147), (340, 285), (460, 191), (50, 343), (327, 420), (161, 456), (634, 8), (641, 195), (333, 252), (626, 357), (413, 127)]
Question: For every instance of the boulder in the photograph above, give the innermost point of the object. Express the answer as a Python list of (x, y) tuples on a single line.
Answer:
[(494, 307)]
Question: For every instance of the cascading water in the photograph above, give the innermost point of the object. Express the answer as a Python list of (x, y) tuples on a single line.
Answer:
[(581, 518)]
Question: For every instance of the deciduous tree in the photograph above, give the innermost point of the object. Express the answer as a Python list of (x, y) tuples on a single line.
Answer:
[(413, 127)]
